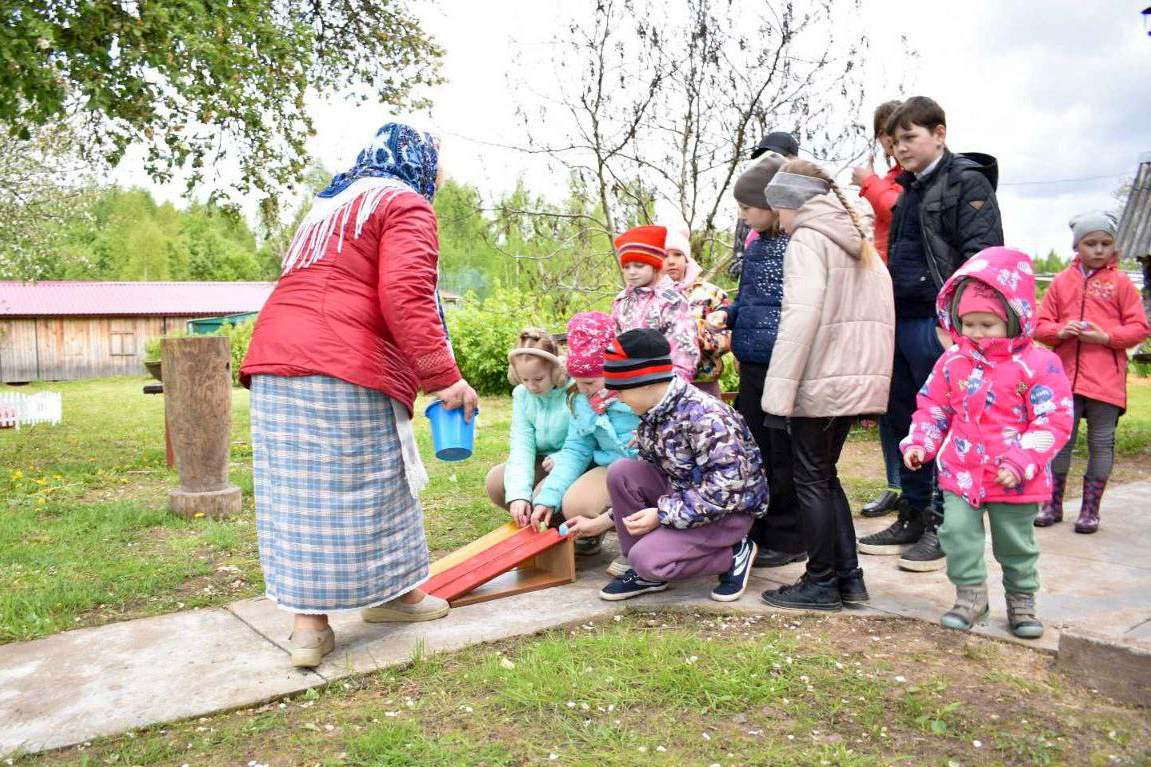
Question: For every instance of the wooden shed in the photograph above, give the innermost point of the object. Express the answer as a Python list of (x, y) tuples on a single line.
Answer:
[(58, 331)]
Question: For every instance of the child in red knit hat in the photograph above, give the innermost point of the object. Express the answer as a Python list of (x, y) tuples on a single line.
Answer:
[(650, 300)]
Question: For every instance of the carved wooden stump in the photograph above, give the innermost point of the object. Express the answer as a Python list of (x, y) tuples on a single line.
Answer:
[(198, 406)]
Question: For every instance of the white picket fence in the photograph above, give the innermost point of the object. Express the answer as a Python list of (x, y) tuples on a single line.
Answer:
[(18, 410)]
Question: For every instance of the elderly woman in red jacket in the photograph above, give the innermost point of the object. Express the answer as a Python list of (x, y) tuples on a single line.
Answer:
[(351, 332)]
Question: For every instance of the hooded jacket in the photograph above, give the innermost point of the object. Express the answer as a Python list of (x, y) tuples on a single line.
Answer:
[(705, 449), (958, 217), (997, 402), (539, 428), (593, 439), (704, 298), (659, 306), (836, 338), (1109, 301)]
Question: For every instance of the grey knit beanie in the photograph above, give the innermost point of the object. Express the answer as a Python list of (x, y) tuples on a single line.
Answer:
[(790, 190), (1092, 221), (749, 187)]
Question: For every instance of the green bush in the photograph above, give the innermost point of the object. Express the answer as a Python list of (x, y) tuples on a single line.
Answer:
[(152, 345), (483, 332), (239, 337)]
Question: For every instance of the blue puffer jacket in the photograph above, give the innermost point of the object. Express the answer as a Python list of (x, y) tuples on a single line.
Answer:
[(593, 440), (754, 317)]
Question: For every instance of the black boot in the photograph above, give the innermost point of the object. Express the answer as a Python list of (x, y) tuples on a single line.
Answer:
[(903, 532), (884, 504), (773, 558), (852, 589), (806, 594), (926, 555)]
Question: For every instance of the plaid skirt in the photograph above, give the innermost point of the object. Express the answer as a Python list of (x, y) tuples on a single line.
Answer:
[(338, 528)]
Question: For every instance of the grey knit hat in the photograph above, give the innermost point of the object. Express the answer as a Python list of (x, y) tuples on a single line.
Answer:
[(1092, 221), (748, 187), (790, 190)]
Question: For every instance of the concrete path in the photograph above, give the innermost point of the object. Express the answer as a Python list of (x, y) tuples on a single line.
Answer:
[(82, 684)]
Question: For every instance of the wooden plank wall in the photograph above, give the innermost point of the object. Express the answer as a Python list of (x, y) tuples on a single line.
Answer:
[(67, 348)]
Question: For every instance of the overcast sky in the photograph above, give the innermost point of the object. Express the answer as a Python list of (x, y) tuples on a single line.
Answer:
[(1059, 92)]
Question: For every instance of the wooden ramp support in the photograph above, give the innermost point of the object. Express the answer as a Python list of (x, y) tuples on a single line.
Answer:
[(507, 561)]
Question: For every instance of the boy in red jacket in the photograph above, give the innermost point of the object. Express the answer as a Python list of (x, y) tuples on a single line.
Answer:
[(1090, 316), (882, 192)]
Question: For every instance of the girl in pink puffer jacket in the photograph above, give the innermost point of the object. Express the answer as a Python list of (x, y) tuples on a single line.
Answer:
[(994, 412)]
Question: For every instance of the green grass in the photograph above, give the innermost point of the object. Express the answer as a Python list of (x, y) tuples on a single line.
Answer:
[(669, 689), (85, 536)]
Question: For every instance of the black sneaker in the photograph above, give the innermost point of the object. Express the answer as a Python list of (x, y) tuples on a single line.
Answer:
[(884, 504), (734, 581), (925, 556), (902, 533), (852, 589), (806, 594), (773, 558), (629, 585), (588, 547)]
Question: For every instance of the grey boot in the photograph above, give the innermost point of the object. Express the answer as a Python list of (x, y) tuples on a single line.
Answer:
[(1021, 616), (970, 607)]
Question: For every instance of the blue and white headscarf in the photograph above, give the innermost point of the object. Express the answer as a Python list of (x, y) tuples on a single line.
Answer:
[(399, 159), (398, 151)]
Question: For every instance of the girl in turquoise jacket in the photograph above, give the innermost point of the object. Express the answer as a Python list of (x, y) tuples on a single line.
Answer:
[(601, 432), (540, 420)]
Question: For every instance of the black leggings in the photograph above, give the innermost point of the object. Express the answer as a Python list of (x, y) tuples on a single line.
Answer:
[(824, 516), (779, 530)]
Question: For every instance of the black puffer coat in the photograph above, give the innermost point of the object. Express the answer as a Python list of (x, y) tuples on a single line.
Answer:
[(958, 215)]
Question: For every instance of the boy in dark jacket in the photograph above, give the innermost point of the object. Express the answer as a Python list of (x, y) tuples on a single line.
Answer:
[(946, 213)]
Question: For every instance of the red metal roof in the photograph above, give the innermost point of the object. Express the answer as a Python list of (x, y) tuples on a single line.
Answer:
[(87, 299)]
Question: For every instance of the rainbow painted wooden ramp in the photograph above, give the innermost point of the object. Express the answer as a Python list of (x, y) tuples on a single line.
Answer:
[(509, 560)]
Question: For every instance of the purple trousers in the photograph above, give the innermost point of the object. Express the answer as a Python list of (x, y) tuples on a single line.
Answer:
[(667, 553)]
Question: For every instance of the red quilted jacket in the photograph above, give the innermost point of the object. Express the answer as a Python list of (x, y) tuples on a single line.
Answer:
[(1108, 300), (364, 312)]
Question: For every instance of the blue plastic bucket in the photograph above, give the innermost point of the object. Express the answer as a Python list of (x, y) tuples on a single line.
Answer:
[(452, 438)]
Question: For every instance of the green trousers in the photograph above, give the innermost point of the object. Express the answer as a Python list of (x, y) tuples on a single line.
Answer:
[(1012, 541)]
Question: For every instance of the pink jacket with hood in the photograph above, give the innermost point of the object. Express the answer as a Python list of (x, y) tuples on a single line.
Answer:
[(997, 402)]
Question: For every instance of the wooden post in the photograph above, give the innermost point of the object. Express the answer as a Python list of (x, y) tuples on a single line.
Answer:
[(198, 409)]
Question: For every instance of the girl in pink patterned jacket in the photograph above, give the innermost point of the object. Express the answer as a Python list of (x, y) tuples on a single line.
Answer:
[(651, 300), (994, 412)]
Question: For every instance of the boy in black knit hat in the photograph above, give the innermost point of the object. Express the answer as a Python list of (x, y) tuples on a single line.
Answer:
[(684, 508)]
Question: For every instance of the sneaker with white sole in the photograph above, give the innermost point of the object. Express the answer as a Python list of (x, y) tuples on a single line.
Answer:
[(429, 608), (308, 646), (618, 566), (733, 582), (630, 585)]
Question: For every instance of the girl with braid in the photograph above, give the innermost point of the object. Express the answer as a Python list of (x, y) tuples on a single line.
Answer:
[(831, 363)]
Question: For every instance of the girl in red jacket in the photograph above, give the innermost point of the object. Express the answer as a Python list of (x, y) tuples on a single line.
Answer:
[(1090, 316)]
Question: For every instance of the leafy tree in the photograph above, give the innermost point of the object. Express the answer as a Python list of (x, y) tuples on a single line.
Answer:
[(44, 187), (197, 81), (1052, 263), (664, 101)]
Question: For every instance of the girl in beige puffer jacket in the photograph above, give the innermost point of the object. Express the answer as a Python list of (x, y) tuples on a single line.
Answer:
[(831, 363)]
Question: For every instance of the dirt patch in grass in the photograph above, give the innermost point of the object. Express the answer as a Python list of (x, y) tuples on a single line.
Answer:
[(674, 689)]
